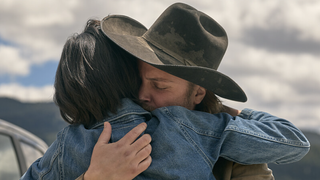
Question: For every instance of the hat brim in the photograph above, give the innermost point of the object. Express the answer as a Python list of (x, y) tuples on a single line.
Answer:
[(128, 34)]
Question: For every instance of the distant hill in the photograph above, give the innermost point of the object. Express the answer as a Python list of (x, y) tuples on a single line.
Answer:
[(44, 120)]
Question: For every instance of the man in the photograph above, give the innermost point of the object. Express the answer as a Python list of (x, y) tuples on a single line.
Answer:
[(161, 89), (189, 45)]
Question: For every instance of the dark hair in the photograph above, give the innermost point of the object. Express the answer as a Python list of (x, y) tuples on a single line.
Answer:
[(92, 77)]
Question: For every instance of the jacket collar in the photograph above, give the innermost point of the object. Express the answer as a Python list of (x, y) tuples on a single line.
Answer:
[(128, 108)]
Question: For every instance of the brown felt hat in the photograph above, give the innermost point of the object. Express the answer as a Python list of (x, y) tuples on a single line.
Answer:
[(183, 42)]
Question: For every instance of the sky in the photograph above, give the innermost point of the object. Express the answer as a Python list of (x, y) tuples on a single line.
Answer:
[(273, 51)]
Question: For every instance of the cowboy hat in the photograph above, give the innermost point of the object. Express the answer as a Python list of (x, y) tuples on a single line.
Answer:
[(183, 42)]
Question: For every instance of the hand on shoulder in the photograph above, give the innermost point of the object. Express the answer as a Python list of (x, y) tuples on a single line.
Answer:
[(124, 159)]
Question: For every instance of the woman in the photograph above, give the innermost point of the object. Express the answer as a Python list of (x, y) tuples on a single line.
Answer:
[(92, 78)]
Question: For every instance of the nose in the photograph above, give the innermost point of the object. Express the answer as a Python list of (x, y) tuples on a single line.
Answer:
[(144, 95)]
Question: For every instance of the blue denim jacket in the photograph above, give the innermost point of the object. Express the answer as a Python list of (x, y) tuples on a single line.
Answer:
[(186, 144)]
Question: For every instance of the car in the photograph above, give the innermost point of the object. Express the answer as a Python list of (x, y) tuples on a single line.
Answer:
[(19, 148)]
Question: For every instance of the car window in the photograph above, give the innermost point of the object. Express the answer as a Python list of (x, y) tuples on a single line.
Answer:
[(9, 167), (30, 153)]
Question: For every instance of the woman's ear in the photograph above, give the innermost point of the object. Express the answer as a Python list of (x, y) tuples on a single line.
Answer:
[(200, 93)]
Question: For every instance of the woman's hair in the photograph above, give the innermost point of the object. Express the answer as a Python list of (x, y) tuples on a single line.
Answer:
[(92, 77)]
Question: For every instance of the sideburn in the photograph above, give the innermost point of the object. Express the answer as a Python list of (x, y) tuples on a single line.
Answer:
[(187, 101)]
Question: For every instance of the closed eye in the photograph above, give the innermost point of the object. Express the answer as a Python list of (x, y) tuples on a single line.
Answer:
[(160, 86)]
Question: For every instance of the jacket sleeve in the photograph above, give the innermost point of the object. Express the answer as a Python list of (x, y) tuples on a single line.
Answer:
[(45, 167), (259, 137), (68, 156)]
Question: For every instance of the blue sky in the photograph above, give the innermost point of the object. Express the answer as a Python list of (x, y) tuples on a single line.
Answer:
[(273, 52), (40, 75)]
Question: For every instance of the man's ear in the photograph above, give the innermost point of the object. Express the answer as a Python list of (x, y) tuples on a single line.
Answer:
[(200, 93)]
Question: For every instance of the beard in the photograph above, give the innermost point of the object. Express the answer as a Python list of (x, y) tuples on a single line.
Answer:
[(146, 107)]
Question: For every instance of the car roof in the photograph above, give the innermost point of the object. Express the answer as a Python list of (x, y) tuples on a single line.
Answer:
[(23, 135)]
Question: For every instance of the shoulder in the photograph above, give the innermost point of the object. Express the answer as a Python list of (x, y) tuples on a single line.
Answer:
[(184, 113), (196, 120)]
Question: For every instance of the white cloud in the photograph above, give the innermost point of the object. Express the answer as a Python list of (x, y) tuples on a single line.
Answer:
[(280, 66), (237, 16), (280, 99), (40, 28), (12, 63), (27, 94), (39, 13), (34, 25), (286, 85), (46, 18), (303, 16)]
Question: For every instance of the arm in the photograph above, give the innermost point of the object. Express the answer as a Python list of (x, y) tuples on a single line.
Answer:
[(262, 138), (225, 169), (121, 160), (253, 137)]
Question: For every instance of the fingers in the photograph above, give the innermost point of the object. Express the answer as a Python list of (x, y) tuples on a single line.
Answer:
[(132, 135), (142, 142), (106, 134), (140, 148), (143, 153), (145, 164), (144, 150), (124, 159)]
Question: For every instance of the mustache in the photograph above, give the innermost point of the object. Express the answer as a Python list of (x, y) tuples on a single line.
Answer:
[(146, 107)]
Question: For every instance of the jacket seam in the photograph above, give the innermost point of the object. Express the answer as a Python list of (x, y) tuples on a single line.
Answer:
[(115, 118), (189, 138), (55, 157), (278, 140)]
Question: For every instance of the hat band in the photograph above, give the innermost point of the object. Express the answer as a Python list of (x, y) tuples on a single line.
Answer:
[(169, 53)]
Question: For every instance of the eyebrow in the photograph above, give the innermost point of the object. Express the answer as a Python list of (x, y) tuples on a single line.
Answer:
[(159, 79)]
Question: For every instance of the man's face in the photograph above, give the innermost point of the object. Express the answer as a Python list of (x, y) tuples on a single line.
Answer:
[(159, 89)]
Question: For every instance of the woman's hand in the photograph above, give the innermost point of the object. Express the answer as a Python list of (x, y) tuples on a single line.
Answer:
[(231, 111)]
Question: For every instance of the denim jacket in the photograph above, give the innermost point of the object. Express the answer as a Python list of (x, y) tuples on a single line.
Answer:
[(186, 144)]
